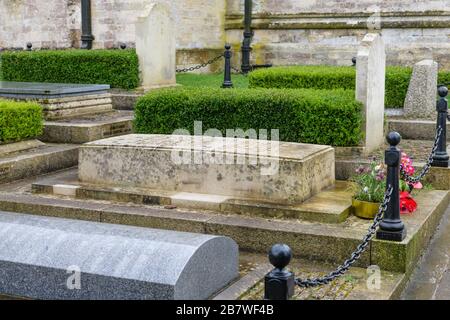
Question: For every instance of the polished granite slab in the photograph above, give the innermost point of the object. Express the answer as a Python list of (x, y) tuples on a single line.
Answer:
[(35, 90)]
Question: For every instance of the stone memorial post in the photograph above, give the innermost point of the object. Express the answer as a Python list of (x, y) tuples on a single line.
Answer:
[(370, 88), (420, 101), (156, 47)]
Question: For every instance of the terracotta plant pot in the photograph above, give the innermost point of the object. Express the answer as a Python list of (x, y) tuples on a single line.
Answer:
[(364, 209)]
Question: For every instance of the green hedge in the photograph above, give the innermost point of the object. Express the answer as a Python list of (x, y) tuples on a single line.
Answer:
[(330, 77), (19, 121), (330, 117), (334, 77), (118, 68)]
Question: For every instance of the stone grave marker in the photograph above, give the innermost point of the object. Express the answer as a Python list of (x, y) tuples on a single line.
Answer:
[(53, 258), (420, 101), (370, 88), (156, 47)]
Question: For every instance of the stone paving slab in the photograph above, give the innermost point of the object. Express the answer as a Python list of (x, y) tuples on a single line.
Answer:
[(36, 161), (415, 129), (351, 286), (82, 129)]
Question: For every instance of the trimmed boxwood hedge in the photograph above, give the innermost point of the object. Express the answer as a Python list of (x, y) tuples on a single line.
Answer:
[(118, 68), (330, 117), (333, 77), (19, 121)]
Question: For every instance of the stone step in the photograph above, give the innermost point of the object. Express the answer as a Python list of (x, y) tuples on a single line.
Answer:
[(88, 128), (351, 286), (415, 129), (65, 113), (266, 171), (35, 159), (312, 241), (330, 206), (52, 258)]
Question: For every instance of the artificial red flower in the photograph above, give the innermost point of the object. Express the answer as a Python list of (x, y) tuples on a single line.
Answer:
[(407, 203)]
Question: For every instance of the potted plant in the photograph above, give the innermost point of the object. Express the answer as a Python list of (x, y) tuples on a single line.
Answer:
[(370, 186)]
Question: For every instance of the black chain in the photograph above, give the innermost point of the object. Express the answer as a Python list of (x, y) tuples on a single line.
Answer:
[(341, 270), (239, 71), (427, 167), (200, 66)]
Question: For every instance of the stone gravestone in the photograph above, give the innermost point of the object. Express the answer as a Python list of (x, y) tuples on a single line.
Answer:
[(370, 88), (420, 101), (53, 258), (156, 47)]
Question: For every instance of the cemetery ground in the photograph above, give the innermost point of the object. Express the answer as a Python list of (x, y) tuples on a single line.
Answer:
[(96, 180)]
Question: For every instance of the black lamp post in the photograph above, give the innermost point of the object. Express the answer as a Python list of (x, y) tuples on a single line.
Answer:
[(248, 35), (86, 25)]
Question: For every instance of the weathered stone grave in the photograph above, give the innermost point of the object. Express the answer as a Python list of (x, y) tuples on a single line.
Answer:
[(61, 100), (74, 113), (156, 47), (370, 88), (292, 173), (52, 258)]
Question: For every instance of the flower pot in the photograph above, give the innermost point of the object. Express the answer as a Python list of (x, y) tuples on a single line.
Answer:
[(364, 209)]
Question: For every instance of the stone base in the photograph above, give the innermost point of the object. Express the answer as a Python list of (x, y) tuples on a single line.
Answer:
[(415, 129), (88, 128), (19, 146), (289, 174), (41, 159), (330, 206), (70, 107)]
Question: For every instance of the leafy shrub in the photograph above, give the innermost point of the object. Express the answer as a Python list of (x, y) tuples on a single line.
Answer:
[(331, 117), (331, 77), (118, 68), (19, 120)]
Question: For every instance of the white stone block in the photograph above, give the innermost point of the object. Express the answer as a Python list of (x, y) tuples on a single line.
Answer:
[(156, 47), (370, 88)]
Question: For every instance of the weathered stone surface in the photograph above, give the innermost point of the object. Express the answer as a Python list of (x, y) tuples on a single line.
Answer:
[(36, 161), (420, 101), (40, 255), (330, 206), (370, 88), (156, 46), (208, 165), (415, 129), (82, 129), (19, 146)]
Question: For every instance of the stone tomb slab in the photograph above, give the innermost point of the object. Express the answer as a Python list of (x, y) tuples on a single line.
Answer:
[(42, 256), (61, 100), (290, 173)]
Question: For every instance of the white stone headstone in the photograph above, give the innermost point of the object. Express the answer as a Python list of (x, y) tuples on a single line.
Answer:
[(370, 88), (420, 101), (156, 47)]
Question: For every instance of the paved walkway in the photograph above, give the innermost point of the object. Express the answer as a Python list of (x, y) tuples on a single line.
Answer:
[(431, 279)]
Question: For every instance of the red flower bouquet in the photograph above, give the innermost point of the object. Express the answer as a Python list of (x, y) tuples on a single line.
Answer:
[(407, 203)]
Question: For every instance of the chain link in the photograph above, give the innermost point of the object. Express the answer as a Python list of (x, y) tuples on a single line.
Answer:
[(341, 270), (239, 71), (200, 66), (427, 167)]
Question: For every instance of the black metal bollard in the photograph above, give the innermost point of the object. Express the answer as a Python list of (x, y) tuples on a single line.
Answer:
[(441, 158), (227, 83), (392, 227), (123, 45), (279, 283), (354, 62), (29, 46), (86, 25), (248, 35)]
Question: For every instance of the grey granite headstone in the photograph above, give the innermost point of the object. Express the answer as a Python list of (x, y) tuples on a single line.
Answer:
[(51, 258), (420, 102)]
